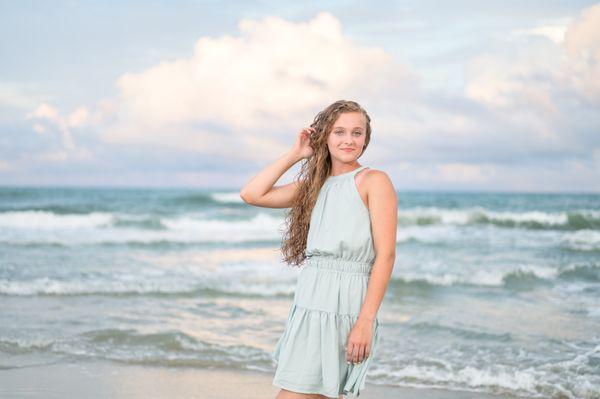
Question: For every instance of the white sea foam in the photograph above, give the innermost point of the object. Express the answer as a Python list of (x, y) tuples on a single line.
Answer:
[(227, 197), (464, 216), (556, 379), (44, 220), (492, 378), (263, 276), (49, 228), (440, 275), (138, 286), (582, 240)]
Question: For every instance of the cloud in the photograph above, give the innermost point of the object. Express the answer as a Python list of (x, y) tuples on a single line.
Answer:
[(52, 117), (529, 104), (582, 45), (237, 94), (554, 30), (242, 97), (543, 86), (535, 71)]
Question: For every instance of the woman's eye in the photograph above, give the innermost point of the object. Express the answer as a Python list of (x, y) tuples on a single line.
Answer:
[(341, 132)]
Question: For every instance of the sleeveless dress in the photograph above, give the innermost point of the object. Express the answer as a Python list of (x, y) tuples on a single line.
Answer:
[(329, 293)]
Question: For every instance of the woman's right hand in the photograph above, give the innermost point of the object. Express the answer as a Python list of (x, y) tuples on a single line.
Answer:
[(302, 145)]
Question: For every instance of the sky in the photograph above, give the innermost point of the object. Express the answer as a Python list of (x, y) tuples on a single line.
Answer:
[(462, 95)]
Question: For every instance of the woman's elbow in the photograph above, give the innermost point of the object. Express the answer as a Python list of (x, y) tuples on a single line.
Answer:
[(245, 197)]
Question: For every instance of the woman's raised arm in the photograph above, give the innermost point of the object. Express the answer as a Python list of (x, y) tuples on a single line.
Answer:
[(260, 190)]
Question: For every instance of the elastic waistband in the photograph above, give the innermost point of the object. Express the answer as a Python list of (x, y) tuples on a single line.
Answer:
[(339, 264)]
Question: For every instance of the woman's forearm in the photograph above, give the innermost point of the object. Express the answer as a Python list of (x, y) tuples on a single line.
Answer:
[(381, 273), (262, 182)]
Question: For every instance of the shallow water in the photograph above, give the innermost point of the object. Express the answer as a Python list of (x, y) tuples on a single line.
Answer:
[(490, 292)]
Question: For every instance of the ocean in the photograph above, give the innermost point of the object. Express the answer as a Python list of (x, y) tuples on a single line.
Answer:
[(491, 292)]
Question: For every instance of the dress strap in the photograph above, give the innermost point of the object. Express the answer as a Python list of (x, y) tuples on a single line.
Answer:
[(355, 171)]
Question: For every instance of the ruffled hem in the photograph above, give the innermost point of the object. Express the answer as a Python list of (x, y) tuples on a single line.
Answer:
[(310, 354)]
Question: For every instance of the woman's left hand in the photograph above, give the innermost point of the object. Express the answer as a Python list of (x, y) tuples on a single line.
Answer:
[(358, 346)]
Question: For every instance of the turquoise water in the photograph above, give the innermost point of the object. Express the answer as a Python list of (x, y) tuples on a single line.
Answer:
[(490, 292)]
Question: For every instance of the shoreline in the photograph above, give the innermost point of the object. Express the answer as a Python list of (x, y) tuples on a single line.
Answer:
[(106, 379)]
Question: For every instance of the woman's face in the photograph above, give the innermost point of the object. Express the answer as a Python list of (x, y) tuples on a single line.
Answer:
[(347, 136)]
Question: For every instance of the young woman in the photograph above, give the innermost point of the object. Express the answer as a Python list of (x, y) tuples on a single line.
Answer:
[(342, 226)]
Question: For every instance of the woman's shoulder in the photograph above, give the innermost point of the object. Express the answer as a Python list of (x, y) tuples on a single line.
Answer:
[(377, 181), (376, 175)]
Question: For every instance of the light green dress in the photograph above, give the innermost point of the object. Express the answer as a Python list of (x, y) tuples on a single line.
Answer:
[(330, 290)]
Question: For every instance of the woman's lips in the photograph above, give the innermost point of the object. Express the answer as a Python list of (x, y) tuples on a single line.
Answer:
[(348, 149)]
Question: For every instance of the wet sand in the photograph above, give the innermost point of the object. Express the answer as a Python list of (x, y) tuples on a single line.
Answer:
[(113, 380)]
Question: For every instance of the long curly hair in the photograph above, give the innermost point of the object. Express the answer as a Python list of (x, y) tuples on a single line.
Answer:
[(311, 177)]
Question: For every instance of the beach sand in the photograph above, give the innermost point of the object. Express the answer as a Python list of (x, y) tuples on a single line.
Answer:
[(113, 380)]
